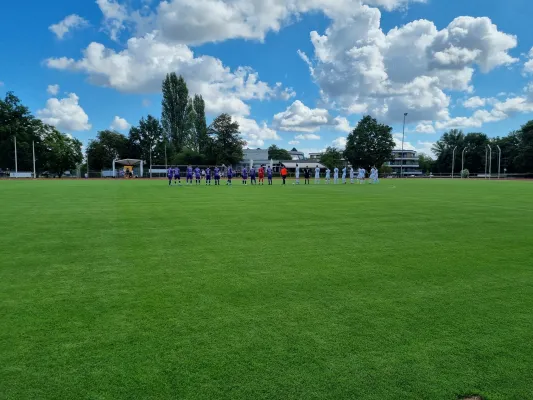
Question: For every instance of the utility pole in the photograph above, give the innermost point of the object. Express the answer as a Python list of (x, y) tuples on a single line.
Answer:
[(403, 137)]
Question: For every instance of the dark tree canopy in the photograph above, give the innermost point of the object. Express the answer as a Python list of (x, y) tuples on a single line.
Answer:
[(332, 158), (276, 153), (370, 143), (174, 110), (227, 142)]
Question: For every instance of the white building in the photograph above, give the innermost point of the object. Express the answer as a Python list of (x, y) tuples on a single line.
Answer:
[(409, 159)]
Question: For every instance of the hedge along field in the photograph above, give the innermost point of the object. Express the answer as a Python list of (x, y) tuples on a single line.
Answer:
[(409, 289)]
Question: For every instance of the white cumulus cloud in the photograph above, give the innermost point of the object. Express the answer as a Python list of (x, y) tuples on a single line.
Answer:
[(69, 23), (307, 136), (141, 67), (255, 134), (340, 143), (65, 114), (119, 124), (300, 118), (52, 89)]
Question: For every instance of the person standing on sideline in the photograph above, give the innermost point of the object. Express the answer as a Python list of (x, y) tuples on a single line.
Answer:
[(230, 175), (297, 175), (244, 176), (208, 176), (252, 176), (344, 176), (283, 174), (328, 175), (269, 175), (317, 175), (335, 175), (217, 176), (177, 176), (197, 175), (189, 174), (170, 175), (261, 175), (352, 175), (307, 175)]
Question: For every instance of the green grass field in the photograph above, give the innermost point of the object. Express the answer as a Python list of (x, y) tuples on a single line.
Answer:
[(415, 289)]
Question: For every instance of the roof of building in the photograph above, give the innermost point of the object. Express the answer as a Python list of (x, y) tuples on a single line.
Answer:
[(311, 164)]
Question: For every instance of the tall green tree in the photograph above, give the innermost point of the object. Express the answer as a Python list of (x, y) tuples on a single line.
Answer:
[(17, 121), (149, 133), (276, 153), (174, 110), (426, 163), (200, 124), (227, 142), (369, 144), (524, 157), (476, 146), (332, 158), (108, 146), (443, 150), (510, 146), (62, 152)]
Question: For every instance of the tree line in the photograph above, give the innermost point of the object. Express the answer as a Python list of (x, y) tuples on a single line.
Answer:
[(55, 152), (516, 151), (180, 137)]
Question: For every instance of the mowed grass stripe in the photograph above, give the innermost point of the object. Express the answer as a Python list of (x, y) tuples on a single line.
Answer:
[(131, 289)]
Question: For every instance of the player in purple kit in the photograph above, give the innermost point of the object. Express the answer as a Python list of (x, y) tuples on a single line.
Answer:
[(208, 176), (177, 176), (230, 175), (189, 174), (217, 176), (198, 175), (244, 176), (170, 175), (269, 175), (252, 176)]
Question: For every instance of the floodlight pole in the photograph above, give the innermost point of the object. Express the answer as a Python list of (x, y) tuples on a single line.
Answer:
[(33, 151), (463, 162), (499, 159), (490, 161), (486, 161), (403, 137), (150, 160), (16, 162), (453, 159)]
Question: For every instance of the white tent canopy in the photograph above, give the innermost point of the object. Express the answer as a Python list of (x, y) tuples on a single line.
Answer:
[(129, 161)]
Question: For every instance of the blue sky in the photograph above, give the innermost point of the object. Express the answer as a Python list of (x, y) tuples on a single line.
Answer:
[(296, 73)]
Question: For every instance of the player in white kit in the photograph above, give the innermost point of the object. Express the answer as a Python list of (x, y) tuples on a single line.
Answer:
[(297, 174), (352, 174), (361, 176), (328, 176), (335, 175), (317, 175), (344, 176)]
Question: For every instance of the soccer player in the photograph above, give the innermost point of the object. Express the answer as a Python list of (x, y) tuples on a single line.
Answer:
[(261, 175), (328, 176), (252, 176), (189, 174), (269, 175), (244, 175), (198, 176), (352, 174), (230, 175), (307, 175), (317, 175), (177, 176), (297, 175), (344, 176), (208, 176), (217, 176), (170, 175), (283, 174), (361, 176), (335, 175)]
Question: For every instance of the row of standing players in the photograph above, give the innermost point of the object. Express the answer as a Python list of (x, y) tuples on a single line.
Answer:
[(174, 173)]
